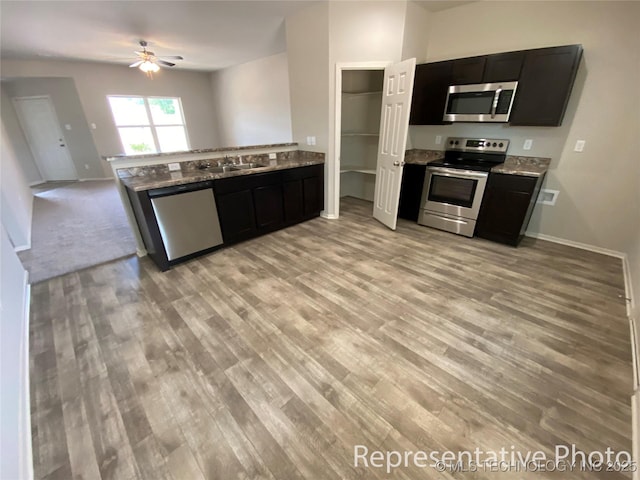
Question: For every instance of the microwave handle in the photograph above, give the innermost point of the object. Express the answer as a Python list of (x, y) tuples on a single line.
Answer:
[(496, 97)]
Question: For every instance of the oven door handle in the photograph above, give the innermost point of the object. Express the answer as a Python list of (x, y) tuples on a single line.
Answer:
[(451, 172), (496, 97)]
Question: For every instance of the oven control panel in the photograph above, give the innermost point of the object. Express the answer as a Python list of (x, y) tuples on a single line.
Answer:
[(489, 145)]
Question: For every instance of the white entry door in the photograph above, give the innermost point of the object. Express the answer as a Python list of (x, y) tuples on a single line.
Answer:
[(394, 126), (42, 130)]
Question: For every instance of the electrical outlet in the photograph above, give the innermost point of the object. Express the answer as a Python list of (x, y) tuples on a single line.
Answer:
[(272, 156), (579, 146), (313, 140), (174, 167), (308, 140), (67, 126), (527, 144), (438, 139)]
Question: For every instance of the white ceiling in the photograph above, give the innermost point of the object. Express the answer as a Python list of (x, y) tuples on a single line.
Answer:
[(210, 35)]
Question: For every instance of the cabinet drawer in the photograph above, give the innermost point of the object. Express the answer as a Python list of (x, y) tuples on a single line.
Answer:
[(246, 182), (514, 183)]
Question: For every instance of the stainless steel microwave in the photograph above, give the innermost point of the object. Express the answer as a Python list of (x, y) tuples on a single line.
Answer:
[(483, 102)]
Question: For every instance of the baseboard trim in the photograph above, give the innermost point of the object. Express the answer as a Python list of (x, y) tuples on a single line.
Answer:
[(94, 179), (571, 243), (141, 252), (21, 248), (26, 452), (37, 182), (329, 216), (635, 434)]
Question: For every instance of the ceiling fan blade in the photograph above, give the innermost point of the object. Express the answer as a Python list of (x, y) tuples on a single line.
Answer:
[(136, 64), (173, 57), (166, 64)]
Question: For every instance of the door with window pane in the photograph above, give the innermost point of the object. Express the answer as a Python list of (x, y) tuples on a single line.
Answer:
[(149, 124)]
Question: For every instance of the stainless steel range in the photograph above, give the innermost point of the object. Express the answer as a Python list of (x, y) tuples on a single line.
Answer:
[(453, 187)]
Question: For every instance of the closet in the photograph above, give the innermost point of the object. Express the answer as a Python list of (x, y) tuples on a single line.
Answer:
[(360, 126)]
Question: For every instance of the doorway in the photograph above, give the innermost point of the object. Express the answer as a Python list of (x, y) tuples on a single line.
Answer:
[(40, 124)]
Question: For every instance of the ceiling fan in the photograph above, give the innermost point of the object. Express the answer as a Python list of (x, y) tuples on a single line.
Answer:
[(149, 62)]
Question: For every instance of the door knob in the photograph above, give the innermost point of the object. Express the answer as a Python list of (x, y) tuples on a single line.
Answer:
[(398, 164), (62, 144)]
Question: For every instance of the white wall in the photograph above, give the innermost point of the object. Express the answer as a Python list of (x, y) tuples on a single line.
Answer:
[(251, 102), (15, 196), (66, 103), (94, 81), (308, 56), (15, 136), (15, 430), (598, 200)]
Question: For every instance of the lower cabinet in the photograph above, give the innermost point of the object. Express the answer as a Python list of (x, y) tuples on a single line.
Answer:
[(411, 191), (506, 208), (250, 205), (237, 217)]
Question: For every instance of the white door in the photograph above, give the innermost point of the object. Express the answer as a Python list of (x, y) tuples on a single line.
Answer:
[(42, 130), (394, 126)]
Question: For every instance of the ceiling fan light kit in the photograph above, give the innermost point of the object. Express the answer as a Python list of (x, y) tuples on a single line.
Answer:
[(148, 62)]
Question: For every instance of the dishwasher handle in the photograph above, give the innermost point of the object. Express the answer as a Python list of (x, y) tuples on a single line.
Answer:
[(175, 189)]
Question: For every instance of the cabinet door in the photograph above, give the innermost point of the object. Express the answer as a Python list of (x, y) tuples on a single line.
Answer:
[(545, 85), (503, 67), (411, 191), (293, 201), (467, 70), (505, 206), (237, 217), (268, 206), (313, 193), (430, 93)]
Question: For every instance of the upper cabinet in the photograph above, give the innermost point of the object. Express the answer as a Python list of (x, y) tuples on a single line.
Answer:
[(545, 78), (430, 93), (545, 85), (503, 67)]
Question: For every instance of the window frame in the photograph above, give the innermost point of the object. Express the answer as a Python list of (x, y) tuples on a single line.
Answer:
[(151, 125)]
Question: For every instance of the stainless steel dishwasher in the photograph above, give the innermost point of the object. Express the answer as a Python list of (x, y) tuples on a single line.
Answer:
[(187, 218)]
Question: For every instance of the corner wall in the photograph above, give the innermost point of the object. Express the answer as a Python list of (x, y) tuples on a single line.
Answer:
[(66, 103), (598, 188), (251, 102), (94, 81)]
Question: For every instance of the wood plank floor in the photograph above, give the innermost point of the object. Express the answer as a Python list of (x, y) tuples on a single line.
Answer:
[(274, 358)]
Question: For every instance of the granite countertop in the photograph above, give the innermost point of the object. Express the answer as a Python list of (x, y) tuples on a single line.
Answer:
[(513, 165), (164, 178), (122, 156), (527, 166)]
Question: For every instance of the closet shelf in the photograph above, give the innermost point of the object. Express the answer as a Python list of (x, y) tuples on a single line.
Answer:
[(359, 94), (357, 169), (355, 134)]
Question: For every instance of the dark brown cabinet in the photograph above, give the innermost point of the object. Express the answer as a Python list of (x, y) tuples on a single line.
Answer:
[(467, 70), (411, 191), (545, 85), (237, 217), (250, 205), (503, 67), (506, 208), (545, 79), (430, 93)]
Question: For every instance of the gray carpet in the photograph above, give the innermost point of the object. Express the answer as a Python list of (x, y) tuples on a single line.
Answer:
[(75, 226)]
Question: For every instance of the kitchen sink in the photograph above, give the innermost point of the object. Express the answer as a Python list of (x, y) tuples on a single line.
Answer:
[(231, 168)]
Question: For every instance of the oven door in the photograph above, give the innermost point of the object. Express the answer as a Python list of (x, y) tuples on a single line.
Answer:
[(453, 192)]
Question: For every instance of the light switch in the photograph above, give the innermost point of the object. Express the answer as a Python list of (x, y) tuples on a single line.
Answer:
[(272, 156), (527, 144), (438, 139), (93, 126), (67, 126), (579, 146), (173, 167)]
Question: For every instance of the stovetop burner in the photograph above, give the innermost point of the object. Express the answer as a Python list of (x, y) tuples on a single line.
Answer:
[(480, 154)]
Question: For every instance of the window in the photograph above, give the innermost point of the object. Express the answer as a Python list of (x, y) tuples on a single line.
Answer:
[(149, 124)]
